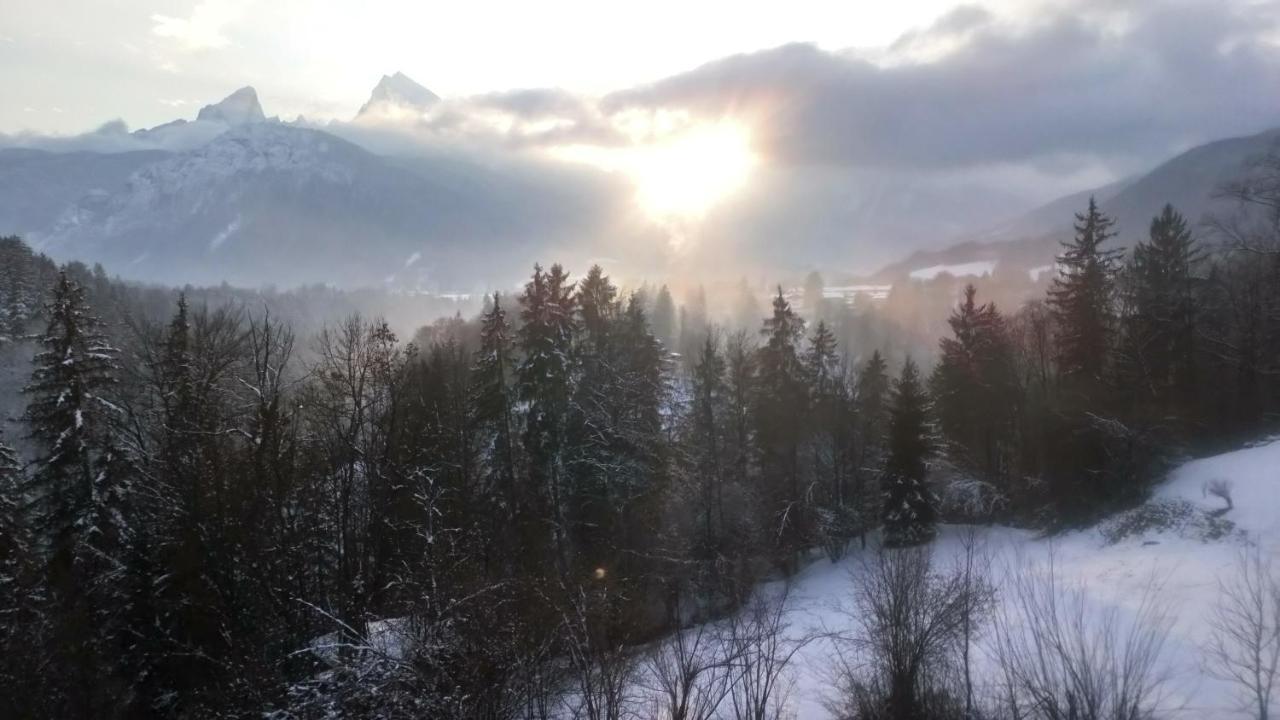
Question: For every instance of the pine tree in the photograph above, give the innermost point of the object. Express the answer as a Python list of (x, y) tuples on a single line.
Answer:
[(78, 485), (780, 406), (708, 410), (598, 306), (974, 387), (20, 689), (829, 431), (1082, 300), (664, 319), (909, 508), (15, 543), (741, 381), (1159, 345), (492, 399), (545, 383), (694, 327), (871, 412)]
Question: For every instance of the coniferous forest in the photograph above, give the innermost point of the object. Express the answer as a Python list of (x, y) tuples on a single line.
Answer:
[(211, 515)]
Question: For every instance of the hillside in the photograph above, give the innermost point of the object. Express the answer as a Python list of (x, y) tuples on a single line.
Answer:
[(1188, 181), (1113, 570)]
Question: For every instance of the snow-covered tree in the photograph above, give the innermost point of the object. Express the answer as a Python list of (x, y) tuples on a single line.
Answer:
[(544, 383), (909, 508), (78, 486)]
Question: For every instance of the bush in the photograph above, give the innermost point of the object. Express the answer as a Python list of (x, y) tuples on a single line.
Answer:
[(1177, 516)]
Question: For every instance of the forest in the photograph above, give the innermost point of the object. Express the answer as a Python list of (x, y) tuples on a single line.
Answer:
[(517, 515)]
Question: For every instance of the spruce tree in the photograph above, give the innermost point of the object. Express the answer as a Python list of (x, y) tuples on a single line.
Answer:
[(545, 382), (20, 689), (828, 431), (871, 422), (708, 409), (1159, 345), (780, 407), (15, 546), (491, 400), (664, 319), (78, 484), (909, 507), (694, 327), (974, 387), (1082, 300)]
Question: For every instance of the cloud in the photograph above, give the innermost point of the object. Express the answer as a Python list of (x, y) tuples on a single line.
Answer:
[(115, 137), (516, 120), (1127, 82), (204, 28)]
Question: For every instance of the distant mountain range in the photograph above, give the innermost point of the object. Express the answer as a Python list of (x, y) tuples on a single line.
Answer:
[(235, 195), (253, 201), (1189, 181)]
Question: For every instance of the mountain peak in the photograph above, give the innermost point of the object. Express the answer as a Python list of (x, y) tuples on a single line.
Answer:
[(239, 108), (398, 93)]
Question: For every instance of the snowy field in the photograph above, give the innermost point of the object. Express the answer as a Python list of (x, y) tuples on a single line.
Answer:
[(1114, 572), (1114, 575)]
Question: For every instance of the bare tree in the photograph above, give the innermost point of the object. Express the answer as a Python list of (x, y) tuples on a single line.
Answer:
[(689, 674), (762, 646), (1254, 226), (978, 594), (1244, 649), (602, 666), (1059, 658), (909, 654)]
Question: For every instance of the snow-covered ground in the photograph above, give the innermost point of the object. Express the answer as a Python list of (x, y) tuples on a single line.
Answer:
[(975, 269), (1115, 570), (1114, 574)]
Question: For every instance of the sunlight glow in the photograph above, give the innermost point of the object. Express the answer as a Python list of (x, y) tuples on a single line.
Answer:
[(683, 175), (687, 175)]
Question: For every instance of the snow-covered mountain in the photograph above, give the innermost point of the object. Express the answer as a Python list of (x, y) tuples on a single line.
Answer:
[(37, 186), (237, 197), (271, 203), (239, 108), (396, 95)]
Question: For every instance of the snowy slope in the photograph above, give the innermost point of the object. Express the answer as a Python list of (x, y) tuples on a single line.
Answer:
[(1113, 574)]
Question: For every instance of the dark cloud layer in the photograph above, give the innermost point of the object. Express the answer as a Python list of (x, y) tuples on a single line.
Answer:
[(1124, 82)]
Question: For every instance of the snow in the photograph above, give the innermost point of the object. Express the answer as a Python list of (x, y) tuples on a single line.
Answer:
[(848, 293), (384, 638), (1113, 575), (1039, 270), (239, 108), (975, 269), (398, 95)]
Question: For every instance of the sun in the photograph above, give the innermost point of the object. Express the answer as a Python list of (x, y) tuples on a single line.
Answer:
[(686, 175), (681, 174)]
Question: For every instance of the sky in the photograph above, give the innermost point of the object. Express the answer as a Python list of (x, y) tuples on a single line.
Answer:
[(321, 57), (867, 128)]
